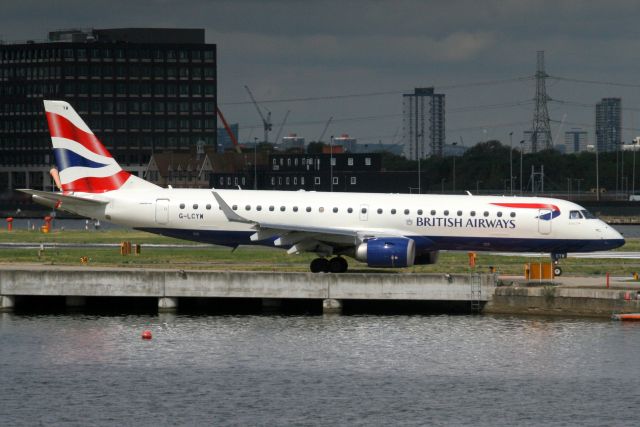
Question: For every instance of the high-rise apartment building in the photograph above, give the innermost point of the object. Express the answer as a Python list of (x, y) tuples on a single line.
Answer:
[(139, 90), (423, 123), (609, 124)]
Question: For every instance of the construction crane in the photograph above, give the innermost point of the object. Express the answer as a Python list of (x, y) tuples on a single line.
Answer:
[(234, 140), (325, 129), (266, 122), (281, 126)]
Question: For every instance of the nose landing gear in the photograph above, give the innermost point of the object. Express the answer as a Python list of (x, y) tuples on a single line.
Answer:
[(333, 265), (555, 258)]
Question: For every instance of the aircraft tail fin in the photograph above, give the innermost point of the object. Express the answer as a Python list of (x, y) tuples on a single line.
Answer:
[(83, 163)]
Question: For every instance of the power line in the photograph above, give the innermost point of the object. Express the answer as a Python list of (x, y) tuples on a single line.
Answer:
[(595, 82), (373, 94)]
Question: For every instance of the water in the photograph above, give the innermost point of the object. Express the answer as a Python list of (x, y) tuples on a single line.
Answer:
[(317, 370)]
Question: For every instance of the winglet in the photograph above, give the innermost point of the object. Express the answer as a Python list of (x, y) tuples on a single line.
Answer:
[(228, 212)]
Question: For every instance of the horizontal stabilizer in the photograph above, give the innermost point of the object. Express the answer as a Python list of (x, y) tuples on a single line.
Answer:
[(56, 200)]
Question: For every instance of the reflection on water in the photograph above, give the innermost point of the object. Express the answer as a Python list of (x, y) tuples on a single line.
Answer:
[(380, 370)]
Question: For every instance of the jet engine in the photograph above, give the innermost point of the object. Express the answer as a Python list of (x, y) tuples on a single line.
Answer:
[(387, 252)]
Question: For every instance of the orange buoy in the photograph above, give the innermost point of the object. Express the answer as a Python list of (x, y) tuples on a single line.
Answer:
[(146, 335), (626, 316)]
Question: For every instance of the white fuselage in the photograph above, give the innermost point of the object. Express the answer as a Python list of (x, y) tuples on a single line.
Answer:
[(448, 222)]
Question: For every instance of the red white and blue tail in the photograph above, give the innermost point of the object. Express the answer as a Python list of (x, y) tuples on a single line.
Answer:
[(84, 164)]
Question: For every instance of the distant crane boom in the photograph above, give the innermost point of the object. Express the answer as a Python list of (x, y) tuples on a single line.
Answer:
[(266, 122), (282, 126), (234, 140), (325, 129)]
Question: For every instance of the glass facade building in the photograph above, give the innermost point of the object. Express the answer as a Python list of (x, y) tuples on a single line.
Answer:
[(139, 90)]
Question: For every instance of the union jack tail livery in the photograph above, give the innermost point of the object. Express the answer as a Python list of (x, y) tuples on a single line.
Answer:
[(84, 164)]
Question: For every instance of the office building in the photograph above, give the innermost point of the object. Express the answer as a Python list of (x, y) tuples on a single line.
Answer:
[(609, 124), (423, 123), (139, 90), (575, 141)]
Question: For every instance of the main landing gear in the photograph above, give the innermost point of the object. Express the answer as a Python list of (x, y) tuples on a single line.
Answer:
[(333, 265), (555, 258)]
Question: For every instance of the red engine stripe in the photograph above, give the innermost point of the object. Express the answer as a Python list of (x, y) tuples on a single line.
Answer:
[(528, 205), (61, 127), (97, 185)]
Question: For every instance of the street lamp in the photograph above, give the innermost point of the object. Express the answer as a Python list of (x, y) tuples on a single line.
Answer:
[(419, 156), (521, 151), (255, 171), (454, 166), (511, 162)]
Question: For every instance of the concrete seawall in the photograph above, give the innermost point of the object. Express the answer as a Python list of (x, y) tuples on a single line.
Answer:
[(169, 285)]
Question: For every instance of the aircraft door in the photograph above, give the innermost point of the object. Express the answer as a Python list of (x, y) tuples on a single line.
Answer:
[(544, 225), (162, 211), (364, 212)]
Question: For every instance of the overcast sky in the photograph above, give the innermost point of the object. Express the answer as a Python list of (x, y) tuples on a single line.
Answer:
[(303, 49)]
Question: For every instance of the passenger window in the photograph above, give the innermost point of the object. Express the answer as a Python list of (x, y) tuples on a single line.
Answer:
[(282, 208), (271, 208), (486, 213), (234, 207), (472, 213), (295, 209), (406, 211), (393, 211), (258, 208), (512, 214), (208, 207), (433, 212), (195, 206), (350, 210), (308, 208), (335, 210), (419, 211), (446, 213), (247, 208), (363, 210), (499, 214), (459, 213), (321, 209), (379, 210), (181, 205)]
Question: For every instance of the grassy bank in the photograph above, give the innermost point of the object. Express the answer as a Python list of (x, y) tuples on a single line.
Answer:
[(258, 258)]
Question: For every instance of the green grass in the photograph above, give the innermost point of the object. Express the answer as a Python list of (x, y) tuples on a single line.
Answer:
[(259, 258)]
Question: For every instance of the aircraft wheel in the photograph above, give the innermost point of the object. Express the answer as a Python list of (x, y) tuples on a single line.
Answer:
[(338, 265), (319, 265), (557, 271)]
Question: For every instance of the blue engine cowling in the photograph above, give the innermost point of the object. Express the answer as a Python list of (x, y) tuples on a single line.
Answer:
[(387, 252)]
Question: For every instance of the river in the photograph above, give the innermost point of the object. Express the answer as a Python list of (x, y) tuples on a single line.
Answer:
[(89, 369)]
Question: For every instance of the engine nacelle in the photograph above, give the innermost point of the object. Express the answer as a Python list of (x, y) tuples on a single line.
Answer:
[(387, 252), (429, 257)]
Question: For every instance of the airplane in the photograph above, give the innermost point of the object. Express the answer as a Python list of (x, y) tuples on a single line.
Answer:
[(381, 230)]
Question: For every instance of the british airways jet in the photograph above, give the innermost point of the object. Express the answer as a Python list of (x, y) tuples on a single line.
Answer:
[(381, 230)]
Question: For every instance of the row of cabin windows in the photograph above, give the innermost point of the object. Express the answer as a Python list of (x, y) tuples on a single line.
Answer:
[(350, 210), (309, 161)]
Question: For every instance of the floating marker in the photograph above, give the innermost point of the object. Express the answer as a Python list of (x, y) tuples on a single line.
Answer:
[(146, 335)]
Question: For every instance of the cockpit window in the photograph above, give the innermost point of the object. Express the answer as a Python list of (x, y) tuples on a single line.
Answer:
[(575, 215), (588, 214)]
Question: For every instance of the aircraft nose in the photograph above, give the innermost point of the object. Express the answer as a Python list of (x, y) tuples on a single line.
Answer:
[(611, 238)]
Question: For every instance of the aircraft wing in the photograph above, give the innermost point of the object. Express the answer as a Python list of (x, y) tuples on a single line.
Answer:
[(310, 238)]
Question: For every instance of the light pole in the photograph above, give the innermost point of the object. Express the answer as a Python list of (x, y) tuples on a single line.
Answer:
[(478, 186), (454, 166), (511, 162), (419, 156), (597, 168), (442, 181), (331, 163), (633, 173), (255, 171), (521, 150)]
